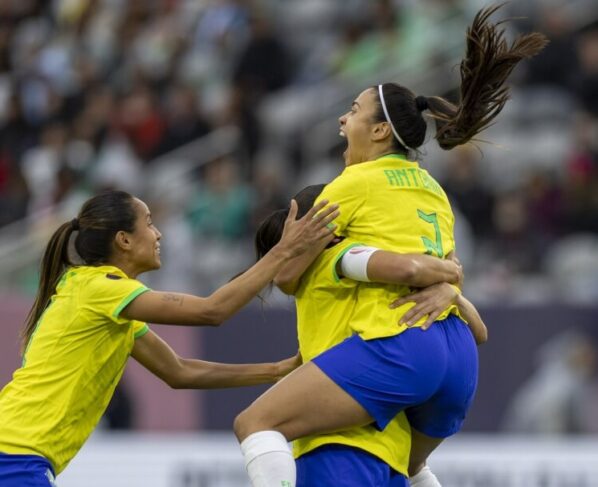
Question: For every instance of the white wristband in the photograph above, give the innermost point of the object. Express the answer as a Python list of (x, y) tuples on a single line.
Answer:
[(354, 264)]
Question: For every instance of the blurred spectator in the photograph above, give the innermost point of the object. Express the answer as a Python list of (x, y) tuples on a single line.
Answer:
[(183, 120), (221, 208), (544, 206), (141, 121), (264, 64), (558, 63), (512, 243), (41, 165), (467, 191), (580, 184), (586, 84), (263, 67), (554, 400), (272, 195)]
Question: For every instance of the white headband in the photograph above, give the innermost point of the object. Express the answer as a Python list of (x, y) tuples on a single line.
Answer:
[(392, 127)]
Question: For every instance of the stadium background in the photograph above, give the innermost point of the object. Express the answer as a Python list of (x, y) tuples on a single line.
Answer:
[(216, 111)]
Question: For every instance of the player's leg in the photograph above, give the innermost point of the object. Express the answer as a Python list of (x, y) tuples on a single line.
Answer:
[(334, 465), (352, 384), (443, 415), (305, 402), (422, 446)]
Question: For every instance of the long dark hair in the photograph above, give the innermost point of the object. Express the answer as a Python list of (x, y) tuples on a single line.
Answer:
[(100, 218), (270, 230), (488, 62)]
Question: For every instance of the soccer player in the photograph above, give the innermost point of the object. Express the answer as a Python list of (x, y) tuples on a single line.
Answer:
[(87, 319), (365, 455), (388, 201)]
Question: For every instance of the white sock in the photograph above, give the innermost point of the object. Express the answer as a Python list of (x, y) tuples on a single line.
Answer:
[(425, 478), (268, 460)]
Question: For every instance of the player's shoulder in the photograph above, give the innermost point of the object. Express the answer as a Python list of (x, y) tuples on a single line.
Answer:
[(103, 279)]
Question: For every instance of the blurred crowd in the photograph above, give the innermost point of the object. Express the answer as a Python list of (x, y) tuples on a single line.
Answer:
[(93, 94)]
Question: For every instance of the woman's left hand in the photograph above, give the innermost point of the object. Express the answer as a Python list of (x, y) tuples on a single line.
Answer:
[(286, 366), (430, 301)]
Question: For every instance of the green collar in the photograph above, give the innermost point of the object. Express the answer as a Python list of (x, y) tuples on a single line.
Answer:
[(399, 157)]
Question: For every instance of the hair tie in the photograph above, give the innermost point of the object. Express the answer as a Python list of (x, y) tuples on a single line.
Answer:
[(75, 224), (421, 102)]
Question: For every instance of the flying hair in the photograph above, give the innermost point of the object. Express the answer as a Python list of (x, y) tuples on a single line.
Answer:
[(489, 61)]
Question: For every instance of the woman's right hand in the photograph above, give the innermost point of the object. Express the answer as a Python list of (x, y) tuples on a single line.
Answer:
[(286, 366), (314, 228), (430, 301)]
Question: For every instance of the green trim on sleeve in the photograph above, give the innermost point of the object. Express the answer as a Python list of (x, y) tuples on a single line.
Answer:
[(339, 257), (140, 333), (128, 299)]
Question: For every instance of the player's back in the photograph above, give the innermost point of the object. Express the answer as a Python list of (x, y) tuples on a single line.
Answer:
[(393, 204)]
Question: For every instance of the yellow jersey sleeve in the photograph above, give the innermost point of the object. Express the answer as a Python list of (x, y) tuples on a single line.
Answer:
[(139, 329), (109, 293)]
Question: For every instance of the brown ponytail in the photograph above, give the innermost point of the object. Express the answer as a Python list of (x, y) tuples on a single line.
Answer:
[(488, 62), (54, 263)]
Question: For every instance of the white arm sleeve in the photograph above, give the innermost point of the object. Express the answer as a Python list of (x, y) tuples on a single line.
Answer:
[(354, 264)]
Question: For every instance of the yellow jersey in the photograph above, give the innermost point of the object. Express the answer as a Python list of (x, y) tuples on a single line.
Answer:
[(325, 305), (74, 359), (393, 204)]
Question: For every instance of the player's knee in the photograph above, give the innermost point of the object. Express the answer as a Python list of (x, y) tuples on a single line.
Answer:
[(248, 422), (252, 420), (241, 425)]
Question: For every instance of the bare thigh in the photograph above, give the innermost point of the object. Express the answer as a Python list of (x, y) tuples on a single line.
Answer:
[(421, 447), (305, 402)]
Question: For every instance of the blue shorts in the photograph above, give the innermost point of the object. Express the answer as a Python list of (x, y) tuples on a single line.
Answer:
[(340, 465), (25, 471), (431, 375)]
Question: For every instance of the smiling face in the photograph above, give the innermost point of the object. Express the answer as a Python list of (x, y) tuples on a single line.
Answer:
[(366, 139), (144, 249)]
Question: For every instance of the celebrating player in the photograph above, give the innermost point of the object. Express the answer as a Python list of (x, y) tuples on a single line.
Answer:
[(325, 300), (87, 319), (388, 201)]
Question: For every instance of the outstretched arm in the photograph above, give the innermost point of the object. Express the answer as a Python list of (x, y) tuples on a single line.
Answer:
[(184, 309), (181, 373)]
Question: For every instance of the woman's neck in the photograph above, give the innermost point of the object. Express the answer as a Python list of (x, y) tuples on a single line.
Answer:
[(124, 266)]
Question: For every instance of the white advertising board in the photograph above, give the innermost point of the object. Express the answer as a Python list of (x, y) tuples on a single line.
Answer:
[(214, 460)]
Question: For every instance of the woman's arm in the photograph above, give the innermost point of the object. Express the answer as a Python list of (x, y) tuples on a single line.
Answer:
[(180, 373), (415, 270), (473, 318), (289, 277), (184, 309)]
